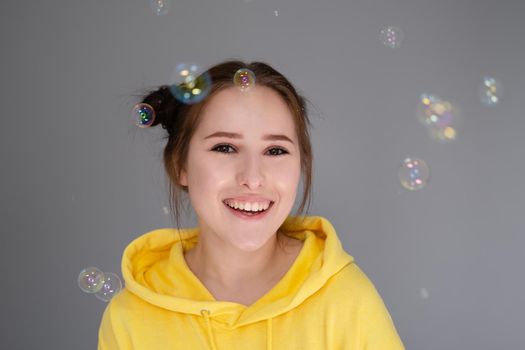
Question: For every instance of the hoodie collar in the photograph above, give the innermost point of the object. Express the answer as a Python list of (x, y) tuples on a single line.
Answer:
[(154, 269)]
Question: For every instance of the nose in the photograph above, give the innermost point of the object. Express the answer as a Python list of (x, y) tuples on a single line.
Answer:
[(251, 173)]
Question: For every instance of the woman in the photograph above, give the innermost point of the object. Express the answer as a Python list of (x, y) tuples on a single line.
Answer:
[(250, 276)]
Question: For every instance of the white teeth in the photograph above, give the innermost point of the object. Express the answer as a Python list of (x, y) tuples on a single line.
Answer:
[(248, 206)]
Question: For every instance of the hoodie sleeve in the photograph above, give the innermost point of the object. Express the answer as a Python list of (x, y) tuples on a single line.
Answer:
[(112, 334), (377, 330)]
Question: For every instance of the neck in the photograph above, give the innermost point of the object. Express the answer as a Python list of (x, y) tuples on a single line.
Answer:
[(229, 267)]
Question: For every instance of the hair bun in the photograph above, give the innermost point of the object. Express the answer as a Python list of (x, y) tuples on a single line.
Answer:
[(164, 104)]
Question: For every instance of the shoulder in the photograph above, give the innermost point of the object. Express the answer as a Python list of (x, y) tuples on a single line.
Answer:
[(354, 299), (121, 305), (126, 307), (351, 291), (351, 280)]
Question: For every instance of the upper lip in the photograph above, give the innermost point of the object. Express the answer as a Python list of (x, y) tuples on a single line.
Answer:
[(251, 198)]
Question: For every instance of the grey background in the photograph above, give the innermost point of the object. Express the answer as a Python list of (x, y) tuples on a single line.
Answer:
[(79, 181)]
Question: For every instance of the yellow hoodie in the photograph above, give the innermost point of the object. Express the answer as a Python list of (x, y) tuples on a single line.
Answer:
[(324, 302)]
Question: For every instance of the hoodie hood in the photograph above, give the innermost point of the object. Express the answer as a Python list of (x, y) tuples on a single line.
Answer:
[(154, 269)]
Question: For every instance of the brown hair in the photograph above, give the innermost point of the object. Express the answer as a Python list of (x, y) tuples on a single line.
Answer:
[(181, 121)]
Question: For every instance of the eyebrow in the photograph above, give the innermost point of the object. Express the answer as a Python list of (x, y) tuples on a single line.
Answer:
[(232, 135)]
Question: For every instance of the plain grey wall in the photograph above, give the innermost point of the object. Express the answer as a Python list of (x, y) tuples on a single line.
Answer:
[(79, 181)]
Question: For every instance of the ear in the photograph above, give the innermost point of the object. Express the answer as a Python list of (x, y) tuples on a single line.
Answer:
[(183, 178)]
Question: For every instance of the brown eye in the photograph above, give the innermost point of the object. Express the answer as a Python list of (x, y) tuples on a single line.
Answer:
[(221, 148), (280, 151), (275, 151)]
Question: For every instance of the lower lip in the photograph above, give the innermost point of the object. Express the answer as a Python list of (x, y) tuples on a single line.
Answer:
[(248, 217)]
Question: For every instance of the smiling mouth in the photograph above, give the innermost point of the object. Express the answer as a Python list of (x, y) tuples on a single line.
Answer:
[(249, 212)]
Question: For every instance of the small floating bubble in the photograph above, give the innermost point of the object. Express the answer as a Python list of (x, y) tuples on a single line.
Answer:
[(391, 37), (190, 84), (440, 117), (490, 91), (414, 174), (143, 115), (90, 280), (111, 286), (160, 7), (424, 293), (244, 79)]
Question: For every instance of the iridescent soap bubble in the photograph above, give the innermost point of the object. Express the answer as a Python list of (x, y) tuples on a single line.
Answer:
[(90, 280), (160, 7), (414, 174), (391, 37), (490, 91), (143, 115), (189, 83), (244, 79), (440, 117), (111, 286)]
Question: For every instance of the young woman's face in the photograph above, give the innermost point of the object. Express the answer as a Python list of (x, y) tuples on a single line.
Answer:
[(246, 165)]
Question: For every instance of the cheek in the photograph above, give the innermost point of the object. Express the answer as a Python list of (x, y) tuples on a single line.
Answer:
[(286, 178), (207, 174)]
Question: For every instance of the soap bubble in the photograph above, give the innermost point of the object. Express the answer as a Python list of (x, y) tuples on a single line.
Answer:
[(490, 91), (90, 280), (111, 286), (244, 79), (160, 7), (143, 115), (440, 117), (424, 293), (391, 37), (189, 83), (414, 174)]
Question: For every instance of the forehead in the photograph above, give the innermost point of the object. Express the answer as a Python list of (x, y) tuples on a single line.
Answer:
[(259, 109)]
